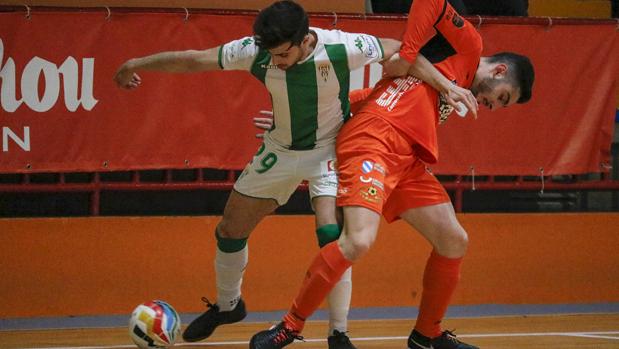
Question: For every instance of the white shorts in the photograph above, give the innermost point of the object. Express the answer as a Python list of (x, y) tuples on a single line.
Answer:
[(276, 172)]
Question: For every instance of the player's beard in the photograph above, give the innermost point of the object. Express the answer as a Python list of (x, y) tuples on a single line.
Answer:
[(484, 87)]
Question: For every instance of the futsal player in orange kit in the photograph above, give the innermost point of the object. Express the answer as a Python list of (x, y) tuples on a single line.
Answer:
[(382, 154)]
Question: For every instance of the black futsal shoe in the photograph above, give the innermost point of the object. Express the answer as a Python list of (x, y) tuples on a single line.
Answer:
[(276, 337), (204, 325), (447, 340), (340, 340)]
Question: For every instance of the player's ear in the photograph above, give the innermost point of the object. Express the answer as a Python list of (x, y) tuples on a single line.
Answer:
[(306, 39), (499, 70)]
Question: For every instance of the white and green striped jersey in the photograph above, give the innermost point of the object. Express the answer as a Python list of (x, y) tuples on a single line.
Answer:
[(310, 99)]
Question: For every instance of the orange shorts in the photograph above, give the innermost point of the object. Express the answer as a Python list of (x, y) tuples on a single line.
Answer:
[(379, 170)]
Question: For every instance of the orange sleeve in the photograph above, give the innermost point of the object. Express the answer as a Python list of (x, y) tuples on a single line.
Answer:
[(423, 15), (459, 33), (357, 97)]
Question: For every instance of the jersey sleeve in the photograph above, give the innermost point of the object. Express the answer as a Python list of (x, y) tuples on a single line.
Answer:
[(238, 54), (357, 98), (422, 17), (362, 49)]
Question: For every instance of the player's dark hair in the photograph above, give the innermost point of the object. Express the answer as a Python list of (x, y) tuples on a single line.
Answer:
[(520, 70), (283, 21)]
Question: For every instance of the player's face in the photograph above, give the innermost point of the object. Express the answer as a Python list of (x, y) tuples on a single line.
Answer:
[(286, 55), (495, 93)]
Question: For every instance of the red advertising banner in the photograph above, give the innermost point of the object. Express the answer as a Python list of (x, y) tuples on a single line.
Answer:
[(60, 110)]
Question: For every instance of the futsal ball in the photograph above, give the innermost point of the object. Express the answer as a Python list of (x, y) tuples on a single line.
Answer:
[(154, 324)]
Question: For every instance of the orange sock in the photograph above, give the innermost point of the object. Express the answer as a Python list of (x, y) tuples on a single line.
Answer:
[(439, 283), (326, 270)]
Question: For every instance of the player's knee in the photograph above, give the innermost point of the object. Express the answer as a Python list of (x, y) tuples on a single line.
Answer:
[(228, 230), (360, 248), (460, 241), (228, 244), (356, 246), (454, 241)]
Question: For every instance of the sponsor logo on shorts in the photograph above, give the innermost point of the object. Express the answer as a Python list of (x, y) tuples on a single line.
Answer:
[(370, 194), (331, 184), (375, 182), (378, 184), (328, 169), (331, 165), (379, 168), (367, 166), (342, 190), (365, 179)]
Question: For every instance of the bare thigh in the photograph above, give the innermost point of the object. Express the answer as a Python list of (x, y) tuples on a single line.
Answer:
[(359, 233), (242, 214), (326, 211)]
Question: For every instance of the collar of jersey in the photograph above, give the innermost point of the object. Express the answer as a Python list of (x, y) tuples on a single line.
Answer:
[(318, 41)]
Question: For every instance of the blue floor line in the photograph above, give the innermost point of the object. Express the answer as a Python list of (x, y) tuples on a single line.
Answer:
[(355, 314)]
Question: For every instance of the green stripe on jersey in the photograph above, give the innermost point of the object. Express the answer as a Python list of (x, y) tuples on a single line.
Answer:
[(382, 50), (303, 103), (258, 68), (337, 56)]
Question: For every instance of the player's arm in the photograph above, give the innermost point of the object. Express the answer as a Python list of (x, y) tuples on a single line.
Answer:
[(454, 94), (172, 62), (422, 17), (390, 47)]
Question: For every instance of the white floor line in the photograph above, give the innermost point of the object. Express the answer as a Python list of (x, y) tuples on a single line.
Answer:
[(592, 334)]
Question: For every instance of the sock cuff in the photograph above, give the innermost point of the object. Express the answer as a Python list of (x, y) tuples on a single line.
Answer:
[(442, 261), (230, 245), (294, 322), (328, 233)]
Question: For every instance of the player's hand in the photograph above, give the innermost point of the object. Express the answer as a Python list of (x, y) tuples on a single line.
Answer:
[(126, 78), (456, 95), (264, 123), (395, 66)]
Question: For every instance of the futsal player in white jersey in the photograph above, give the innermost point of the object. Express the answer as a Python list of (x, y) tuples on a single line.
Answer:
[(306, 71)]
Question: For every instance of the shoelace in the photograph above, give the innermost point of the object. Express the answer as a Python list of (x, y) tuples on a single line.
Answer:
[(341, 337), (283, 334), (208, 304), (451, 336)]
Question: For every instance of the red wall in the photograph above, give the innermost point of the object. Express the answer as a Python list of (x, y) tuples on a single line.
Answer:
[(80, 266)]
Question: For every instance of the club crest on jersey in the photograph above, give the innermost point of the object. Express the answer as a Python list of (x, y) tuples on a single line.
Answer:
[(457, 21), (324, 70)]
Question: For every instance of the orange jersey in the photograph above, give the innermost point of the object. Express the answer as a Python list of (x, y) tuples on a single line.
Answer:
[(411, 106)]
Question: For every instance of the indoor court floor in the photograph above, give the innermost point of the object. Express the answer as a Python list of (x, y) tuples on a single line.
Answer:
[(565, 331)]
